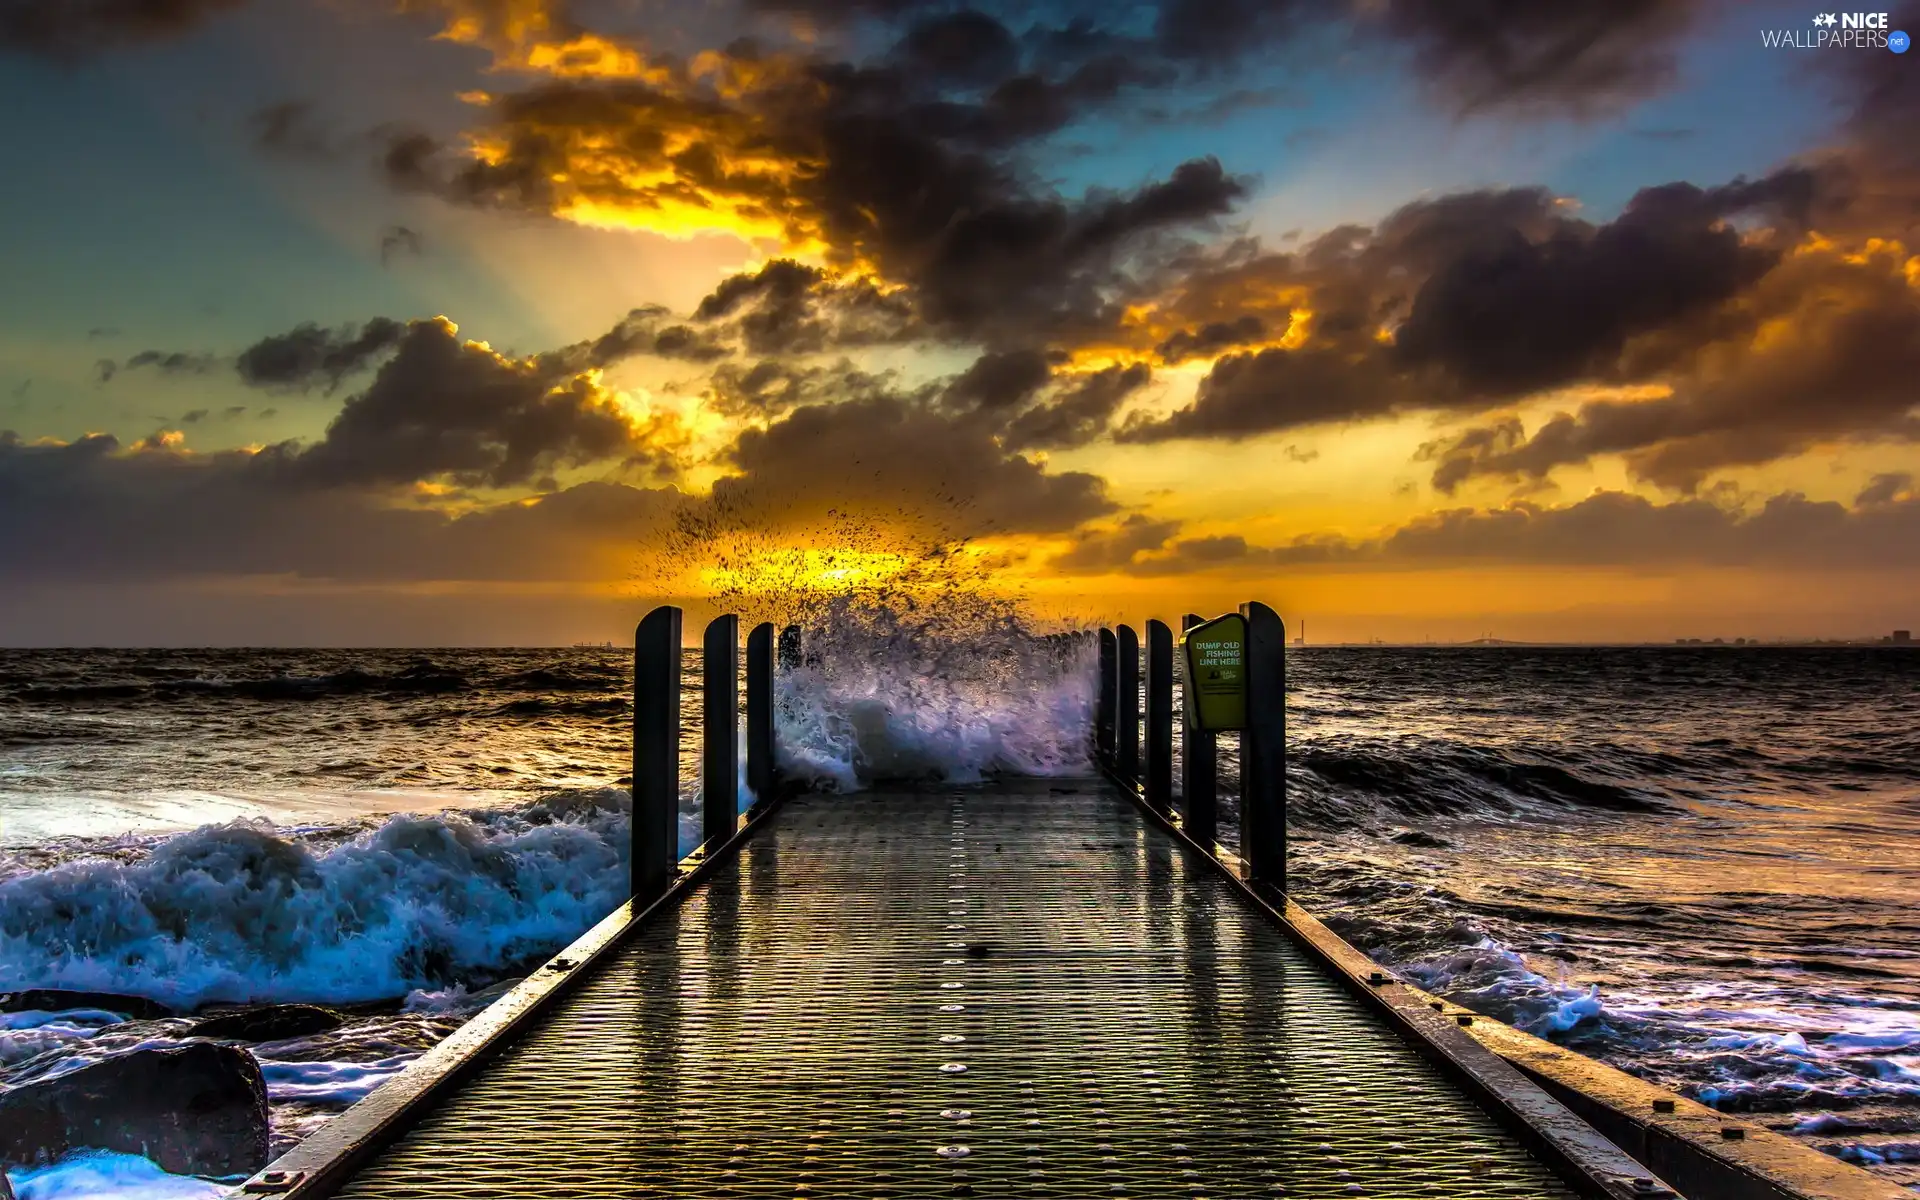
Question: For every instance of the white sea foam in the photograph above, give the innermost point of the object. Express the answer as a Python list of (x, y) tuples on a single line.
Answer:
[(884, 696), (338, 1083), (103, 1176), (242, 913)]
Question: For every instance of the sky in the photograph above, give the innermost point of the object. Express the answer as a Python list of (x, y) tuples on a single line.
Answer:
[(429, 322)]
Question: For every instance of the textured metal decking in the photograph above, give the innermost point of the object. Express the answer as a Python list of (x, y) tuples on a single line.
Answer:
[(1028, 991)]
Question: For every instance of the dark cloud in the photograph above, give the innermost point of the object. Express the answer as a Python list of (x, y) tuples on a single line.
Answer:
[(1102, 551), (1512, 315), (1248, 394), (397, 241), (1616, 528), (307, 355), (648, 331), (1580, 56), (1468, 301), (1212, 338), (966, 47), (1078, 411), (445, 408), (770, 387), (999, 382), (1870, 174), (901, 460), (167, 362), (1885, 488), (71, 29), (1607, 529), (910, 163), (91, 511), (1839, 365), (788, 308)]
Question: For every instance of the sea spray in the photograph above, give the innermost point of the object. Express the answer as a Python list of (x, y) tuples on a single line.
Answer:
[(920, 660)]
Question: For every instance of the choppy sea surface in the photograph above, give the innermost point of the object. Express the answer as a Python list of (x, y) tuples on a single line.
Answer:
[(1699, 864)]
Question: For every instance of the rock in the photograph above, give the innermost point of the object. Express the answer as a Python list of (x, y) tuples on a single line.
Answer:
[(52, 1000), (270, 1024), (197, 1109)]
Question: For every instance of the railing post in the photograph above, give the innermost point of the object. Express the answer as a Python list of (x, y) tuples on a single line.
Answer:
[(760, 712), (1263, 749), (1126, 726), (656, 753), (1104, 706), (1199, 771), (1158, 777), (720, 732)]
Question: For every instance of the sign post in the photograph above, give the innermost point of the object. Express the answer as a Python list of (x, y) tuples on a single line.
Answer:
[(1214, 677), (1263, 750)]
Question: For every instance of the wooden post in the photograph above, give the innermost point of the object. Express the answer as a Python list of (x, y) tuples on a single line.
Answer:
[(1263, 749), (760, 712), (1158, 777), (656, 753), (720, 733), (1104, 706), (1199, 771), (1126, 726)]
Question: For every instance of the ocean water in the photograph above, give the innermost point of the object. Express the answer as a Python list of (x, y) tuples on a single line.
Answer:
[(1701, 865)]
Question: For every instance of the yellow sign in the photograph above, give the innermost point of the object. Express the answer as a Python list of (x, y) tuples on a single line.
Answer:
[(1214, 661)]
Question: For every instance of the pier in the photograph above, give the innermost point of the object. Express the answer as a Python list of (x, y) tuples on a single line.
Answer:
[(1031, 987)]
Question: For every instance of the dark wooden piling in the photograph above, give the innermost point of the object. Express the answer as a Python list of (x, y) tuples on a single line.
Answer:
[(1104, 705), (1263, 749), (1199, 771), (1158, 776), (720, 732), (1126, 712), (760, 767), (656, 753)]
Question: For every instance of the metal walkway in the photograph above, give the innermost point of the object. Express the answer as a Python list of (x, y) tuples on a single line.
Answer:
[(1023, 991)]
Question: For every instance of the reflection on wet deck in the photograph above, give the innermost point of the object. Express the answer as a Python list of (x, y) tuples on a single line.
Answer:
[(1024, 991)]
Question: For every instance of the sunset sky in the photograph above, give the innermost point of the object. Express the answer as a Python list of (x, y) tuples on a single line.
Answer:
[(492, 321)]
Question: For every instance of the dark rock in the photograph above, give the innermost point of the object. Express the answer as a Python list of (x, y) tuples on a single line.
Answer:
[(197, 1109), (52, 1000), (270, 1024)]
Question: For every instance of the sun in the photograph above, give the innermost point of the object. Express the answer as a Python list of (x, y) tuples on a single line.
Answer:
[(814, 569)]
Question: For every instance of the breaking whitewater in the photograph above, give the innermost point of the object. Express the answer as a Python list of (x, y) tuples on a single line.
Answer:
[(1701, 866)]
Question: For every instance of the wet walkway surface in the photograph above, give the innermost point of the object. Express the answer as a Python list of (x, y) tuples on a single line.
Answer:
[(1024, 990)]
